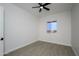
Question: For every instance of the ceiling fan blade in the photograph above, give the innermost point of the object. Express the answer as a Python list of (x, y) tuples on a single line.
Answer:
[(36, 7), (46, 8), (46, 4), (40, 10), (40, 4)]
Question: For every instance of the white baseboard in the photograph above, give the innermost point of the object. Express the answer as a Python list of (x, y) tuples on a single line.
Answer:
[(75, 51), (56, 43), (20, 47)]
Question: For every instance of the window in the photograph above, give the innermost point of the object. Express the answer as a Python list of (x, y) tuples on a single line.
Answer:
[(52, 26)]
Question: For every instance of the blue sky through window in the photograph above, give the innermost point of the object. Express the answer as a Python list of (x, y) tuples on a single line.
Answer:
[(52, 26)]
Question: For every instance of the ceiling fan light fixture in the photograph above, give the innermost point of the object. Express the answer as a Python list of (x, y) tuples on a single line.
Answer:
[(41, 7)]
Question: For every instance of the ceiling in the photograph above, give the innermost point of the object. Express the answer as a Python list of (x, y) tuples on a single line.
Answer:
[(54, 8)]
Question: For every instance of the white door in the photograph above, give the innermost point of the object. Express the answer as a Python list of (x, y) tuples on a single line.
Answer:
[(1, 30)]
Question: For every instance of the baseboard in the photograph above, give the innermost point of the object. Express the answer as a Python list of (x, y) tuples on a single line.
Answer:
[(75, 51), (19, 47), (56, 43)]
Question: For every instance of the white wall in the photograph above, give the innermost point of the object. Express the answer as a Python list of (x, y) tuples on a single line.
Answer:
[(75, 28), (20, 27), (63, 34)]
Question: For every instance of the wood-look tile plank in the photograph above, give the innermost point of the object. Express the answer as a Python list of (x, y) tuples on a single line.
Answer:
[(43, 49)]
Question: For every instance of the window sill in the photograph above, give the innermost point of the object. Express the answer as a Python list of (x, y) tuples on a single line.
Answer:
[(51, 31)]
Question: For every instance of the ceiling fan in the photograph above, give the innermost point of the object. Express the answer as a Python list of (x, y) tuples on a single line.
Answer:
[(42, 6)]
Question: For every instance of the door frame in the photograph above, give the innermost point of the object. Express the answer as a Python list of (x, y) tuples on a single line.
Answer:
[(3, 30)]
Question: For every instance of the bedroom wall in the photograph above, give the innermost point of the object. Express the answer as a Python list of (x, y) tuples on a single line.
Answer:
[(63, 34), (75, 28), (20, 27)]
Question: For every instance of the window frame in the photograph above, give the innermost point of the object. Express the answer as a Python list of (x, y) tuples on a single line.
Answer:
[(50, 31)]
